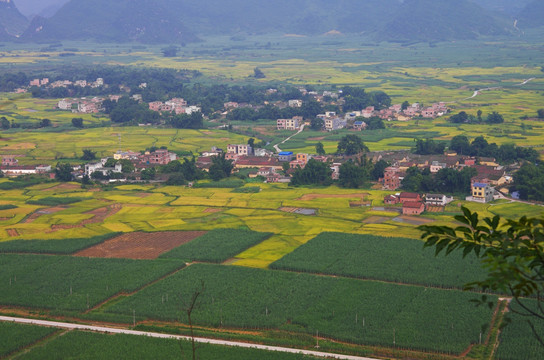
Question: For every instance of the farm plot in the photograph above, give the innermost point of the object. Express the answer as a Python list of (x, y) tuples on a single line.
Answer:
[(517, 340), (364, 312), (88, 345), (63, 246), (140, 245), (381, 258), (217, 246), (73, 283), (14, 337)]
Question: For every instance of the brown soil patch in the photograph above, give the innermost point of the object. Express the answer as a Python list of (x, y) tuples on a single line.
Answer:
[(376, 219), (434, 209), (142, 195), (319, 138), (140, 245), (65, 187), (12, 232), (327, 196), (100, 215), (41, 212), (212, 210), (288, 209), (5, 218), (360, 203)]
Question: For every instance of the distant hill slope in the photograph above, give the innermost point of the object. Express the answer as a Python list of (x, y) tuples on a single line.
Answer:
[(121, 20), (181, 20), (175, 21), (12, 21), (440, 20), (532, 15)]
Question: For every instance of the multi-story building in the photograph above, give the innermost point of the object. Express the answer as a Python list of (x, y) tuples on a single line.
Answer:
[(241, 149), (482, 192), (336, 123)]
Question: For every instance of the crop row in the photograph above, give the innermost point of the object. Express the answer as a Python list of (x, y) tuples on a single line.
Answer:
[(375, 257), (64, 246), (345, 309), (73, 283), (517, 339), (87, 345), (217, 245), (15, 337)]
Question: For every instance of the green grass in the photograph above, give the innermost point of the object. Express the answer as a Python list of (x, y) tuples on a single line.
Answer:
[(55, 201), (381, 258), (8, 207), (40, 281), (95, 346), (415, 317), (59, 247), (217, 246), (14, 337)]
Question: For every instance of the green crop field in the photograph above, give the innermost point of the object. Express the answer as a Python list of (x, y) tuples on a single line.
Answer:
[(517, 340), (94, 346), (63, 246), (374, 257), (71, 283), (14, 337), (344, 309), (216, 246)]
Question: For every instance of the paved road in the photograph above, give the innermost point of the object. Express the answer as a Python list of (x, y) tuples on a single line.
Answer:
[(277, 145), (111, 330)]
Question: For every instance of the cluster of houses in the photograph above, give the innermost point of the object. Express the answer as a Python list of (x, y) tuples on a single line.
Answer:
[(139, 160), (416, 204), (10, 167), (489, 172), (175, 105), (331, 121), (62, 83)]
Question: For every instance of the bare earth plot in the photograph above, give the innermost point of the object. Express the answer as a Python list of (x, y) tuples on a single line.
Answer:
[(140, 245)]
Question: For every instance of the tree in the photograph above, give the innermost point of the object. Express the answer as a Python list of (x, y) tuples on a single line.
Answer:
[(540, 113), (351, 175), (460, 118), (317, 124), (148, 174), (77, 122), (479, 115), (378, 169), (351, 145), (63, 171), (429, 147), (170, 51), (4, 123), (494, 118), (45, 123), (187, 308), (220, 168), (460, 145), (258, 74), (251, 142), (314, 173), (319, 149), (88, 155), (511, 251), (405, 105)]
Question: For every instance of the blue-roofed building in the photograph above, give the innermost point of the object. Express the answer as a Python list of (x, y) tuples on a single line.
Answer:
[(359, 125), (482, 192), (285, 156)]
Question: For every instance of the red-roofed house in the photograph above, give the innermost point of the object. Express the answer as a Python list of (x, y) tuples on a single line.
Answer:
[(413, 208), (409, 197)]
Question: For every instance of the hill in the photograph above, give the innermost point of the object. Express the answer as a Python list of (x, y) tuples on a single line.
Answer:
[(532, 15), (440, 20), (12, 22), (175, 21)]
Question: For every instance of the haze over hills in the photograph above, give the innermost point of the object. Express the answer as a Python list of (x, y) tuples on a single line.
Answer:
[(179, 21), (12, 22), (45, 8), (532, 15), (441, 20)]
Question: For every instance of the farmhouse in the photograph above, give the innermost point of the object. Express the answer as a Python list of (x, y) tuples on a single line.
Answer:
[(391, 200), (409, 197), (159, 157), (413, 208), (437, 199), (482, 193), (335, 123), (285, 156), (391, 178), (289, 124)]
